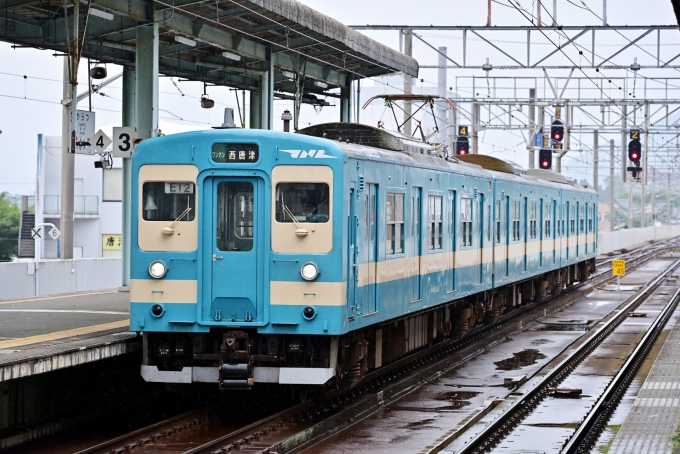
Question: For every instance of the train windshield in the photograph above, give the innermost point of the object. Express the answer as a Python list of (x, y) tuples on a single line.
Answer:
[(168, 200), (306, 202)]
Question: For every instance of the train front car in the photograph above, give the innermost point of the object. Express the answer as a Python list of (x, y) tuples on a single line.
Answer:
[(235, 275)]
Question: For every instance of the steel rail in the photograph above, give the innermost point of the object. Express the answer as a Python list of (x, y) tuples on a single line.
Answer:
[(483, 439), (583, 437)]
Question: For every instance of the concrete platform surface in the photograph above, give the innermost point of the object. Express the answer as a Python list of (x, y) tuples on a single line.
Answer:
[(39, 335), (655, 415)]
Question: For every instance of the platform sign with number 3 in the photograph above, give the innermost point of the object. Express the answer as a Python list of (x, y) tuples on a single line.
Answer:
[(123, 141)]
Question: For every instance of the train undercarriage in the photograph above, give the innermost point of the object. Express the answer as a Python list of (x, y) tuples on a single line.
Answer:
[(239, 358)]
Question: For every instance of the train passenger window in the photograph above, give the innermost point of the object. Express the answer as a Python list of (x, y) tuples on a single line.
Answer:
[(498, 221), (515, 221), (488, 222), (546, 216), (395, 224), (169, 201), (466, 221), (590, 221), (434, 226), (307, 202), (581, 220), (235, 207), (572, 220), (532, 220)]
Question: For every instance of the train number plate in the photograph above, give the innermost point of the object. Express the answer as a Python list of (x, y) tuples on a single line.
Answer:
[(179, 188)]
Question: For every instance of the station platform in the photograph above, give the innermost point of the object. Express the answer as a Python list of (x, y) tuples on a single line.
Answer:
[(655, 415), (40, 335)]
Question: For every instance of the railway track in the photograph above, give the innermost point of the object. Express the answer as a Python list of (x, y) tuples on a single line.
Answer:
[(303, 423), (507, 421)]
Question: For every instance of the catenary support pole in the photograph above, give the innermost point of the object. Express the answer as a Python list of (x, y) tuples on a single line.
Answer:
[(255, 110), (532, 127), (69, 142), (668, 200), (442, 106), (630, 205), (653, 189), (146, 89), (643, 213), (596, 159), (612, 193), (128, 120), (408, 82)]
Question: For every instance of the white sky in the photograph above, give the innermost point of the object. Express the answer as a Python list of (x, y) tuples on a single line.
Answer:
[(31, 106)]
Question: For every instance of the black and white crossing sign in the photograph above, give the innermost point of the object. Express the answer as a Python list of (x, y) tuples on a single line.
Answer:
[(36, 233), (54, 232), (123, 141), (100, 142)]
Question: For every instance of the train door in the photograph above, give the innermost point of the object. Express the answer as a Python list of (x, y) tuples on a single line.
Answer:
[(541, 231), (482, 221), (454, 241), (568, 217), (352, 268), (507, 236), (370, 254), (525, 236), (235, 277), (416, 210), (578, 218), (554, 230)]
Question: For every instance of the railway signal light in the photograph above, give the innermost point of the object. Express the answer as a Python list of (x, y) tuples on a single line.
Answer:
[(635, 151), (462, 146), (545, 158), (557, 130)]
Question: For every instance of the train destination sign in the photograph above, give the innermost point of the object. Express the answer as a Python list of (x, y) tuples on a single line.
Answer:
[(238, 153)]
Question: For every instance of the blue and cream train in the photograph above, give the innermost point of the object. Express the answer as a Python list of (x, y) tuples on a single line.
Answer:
[(311, 258)]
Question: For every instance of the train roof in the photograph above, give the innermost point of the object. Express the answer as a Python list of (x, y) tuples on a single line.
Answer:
[(375, 143)]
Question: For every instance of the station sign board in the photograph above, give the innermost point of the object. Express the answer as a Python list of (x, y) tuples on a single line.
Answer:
[(84, 132)]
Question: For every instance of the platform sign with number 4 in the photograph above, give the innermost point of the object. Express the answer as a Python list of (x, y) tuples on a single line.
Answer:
[(619, 267), (123, 141)]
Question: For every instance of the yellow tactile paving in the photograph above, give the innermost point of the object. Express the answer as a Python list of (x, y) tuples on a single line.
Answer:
[(70, 295), (63, 334)]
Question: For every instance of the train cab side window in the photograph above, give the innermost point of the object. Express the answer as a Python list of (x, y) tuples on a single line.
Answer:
[(498, 221), (515, 221), (466, 221), (395, 224), (434, 225), (532, 220), (572, 220), (546, 216), (581, 220), (590, 220), (306, 202), (169, 201)]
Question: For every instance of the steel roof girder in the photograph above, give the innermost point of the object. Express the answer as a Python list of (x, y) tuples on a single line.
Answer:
[(313, 70)]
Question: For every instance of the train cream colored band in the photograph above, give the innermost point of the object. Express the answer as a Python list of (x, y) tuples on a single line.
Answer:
[(393, 269), (163, 291)]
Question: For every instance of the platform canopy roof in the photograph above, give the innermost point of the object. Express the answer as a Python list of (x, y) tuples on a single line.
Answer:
[(225, 42)]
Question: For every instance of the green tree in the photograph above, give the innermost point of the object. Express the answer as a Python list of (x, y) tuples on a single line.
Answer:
[(10, 215)]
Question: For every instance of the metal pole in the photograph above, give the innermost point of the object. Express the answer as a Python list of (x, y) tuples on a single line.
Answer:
[(668, 201), (442, 106), (624, 156), (146, 89), (475, 127), (643, 216), (604, 13), (128, 120), (644, 155), (630, 205), (532, 126), (538, 13), (596, 159), (653, 189), (408, 82), (554, 12), (612, 205), (488, 16), (69, 143)]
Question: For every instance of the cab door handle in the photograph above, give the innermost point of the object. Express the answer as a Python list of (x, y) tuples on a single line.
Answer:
[(216, 257)]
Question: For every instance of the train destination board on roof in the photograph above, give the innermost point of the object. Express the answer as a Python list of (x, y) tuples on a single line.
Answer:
[(242, 153)]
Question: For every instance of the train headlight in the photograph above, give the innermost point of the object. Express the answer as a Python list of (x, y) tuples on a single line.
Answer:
[(309, 271), (157, 269)]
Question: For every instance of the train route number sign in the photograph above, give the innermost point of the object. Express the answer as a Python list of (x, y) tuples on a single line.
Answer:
[(619, 267)]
